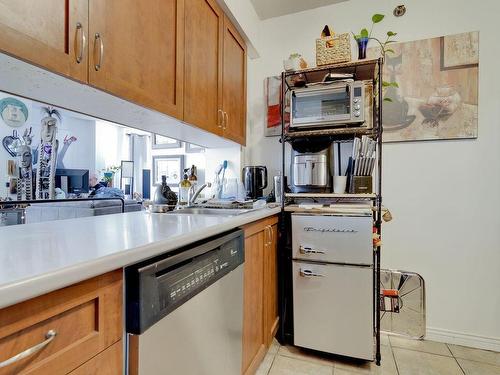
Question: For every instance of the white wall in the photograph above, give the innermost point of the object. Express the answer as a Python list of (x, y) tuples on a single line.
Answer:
[(443, 194)]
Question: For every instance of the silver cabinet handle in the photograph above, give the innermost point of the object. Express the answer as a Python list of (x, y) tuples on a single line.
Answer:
[(220, 119), (269, 235), (101, 51), (227, 120), (49, 336), (309, 273), (308, 250), (83, 42)]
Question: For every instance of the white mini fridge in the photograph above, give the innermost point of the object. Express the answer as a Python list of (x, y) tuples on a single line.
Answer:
[(333, 284)]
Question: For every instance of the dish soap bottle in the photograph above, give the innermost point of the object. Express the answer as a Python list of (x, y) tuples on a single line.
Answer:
[(192, 177), (184, 187)]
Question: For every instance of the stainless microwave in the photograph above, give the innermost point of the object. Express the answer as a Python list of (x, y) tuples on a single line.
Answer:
[(328, 104)]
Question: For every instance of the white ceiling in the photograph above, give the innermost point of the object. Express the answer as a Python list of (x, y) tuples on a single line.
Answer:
[(275, 8)]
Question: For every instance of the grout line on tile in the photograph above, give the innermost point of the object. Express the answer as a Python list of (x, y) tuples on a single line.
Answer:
[(272, 363), (422, 351), (393, 356), (448, 347), (458, 363)]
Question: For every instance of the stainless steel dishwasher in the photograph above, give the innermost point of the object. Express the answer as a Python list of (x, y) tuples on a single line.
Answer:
[(184, 311)]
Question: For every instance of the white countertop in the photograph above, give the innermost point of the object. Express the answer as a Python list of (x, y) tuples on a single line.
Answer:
[(42, 257)]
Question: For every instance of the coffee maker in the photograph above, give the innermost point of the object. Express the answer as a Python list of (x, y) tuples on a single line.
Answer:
[(310, 167), (255, 181)]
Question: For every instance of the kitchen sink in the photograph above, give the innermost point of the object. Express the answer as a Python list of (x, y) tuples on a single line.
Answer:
[(211, 211)]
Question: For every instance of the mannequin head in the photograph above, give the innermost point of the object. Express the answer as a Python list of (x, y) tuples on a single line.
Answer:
[(25, 156), (49, 129)]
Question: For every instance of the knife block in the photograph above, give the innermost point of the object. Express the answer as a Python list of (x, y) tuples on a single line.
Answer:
[(361, 185)]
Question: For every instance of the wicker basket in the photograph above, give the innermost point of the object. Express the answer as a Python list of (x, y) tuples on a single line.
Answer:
[(331, 50)]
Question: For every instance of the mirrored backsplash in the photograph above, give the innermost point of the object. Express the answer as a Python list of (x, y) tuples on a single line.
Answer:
[(50, 153)]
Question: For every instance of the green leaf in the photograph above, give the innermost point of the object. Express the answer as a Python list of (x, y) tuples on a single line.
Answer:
[(389, 50), (376, 18), (364, 33), (391, 41), (391, 33), (394, 84), (386, 84), (387, 99)]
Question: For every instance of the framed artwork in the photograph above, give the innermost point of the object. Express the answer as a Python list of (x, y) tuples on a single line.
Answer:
[(193, 149), (13, 112), (171, 166), (273, 105), (162, 142), (127, 169), (437, 93)]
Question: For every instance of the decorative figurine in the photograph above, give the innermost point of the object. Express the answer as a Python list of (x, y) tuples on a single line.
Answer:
[(47, 156), (25, 180)]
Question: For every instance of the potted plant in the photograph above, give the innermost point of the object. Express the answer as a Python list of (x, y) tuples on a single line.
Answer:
[(109, 174), (363, 38), (294, 62)]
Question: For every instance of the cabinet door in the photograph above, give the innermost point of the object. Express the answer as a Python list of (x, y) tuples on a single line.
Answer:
[(253, 314), (271, 285), (203, 65), (234, 84), (107, 362), (136, 51), (47, 33), (86, 319)]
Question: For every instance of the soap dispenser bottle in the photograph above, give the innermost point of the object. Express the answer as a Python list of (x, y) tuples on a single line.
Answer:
[(184, 187)]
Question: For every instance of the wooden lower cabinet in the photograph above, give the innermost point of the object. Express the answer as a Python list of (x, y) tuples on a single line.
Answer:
[(271, 315), (86, 319), (260, 313), (108, 362)]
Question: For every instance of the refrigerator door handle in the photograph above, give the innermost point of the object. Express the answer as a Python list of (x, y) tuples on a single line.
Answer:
[(309, 250), (309, 273)]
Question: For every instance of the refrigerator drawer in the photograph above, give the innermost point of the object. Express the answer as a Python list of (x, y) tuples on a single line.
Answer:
[(334, 239), (333, 309)]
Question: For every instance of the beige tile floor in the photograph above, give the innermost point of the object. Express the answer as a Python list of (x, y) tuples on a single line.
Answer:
[(399, 357)]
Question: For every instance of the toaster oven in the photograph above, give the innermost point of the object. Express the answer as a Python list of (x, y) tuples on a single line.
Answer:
[(329, 104)]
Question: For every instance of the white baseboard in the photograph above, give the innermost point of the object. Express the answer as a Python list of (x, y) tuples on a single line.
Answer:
[(465, 339)]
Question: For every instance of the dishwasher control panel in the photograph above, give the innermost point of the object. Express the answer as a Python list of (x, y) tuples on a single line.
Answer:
[(156, 288), (189, 279)]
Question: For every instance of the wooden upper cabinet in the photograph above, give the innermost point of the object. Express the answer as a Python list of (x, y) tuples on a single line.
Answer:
[(48, 33), (203, 45), (234, 84), (136, 51)]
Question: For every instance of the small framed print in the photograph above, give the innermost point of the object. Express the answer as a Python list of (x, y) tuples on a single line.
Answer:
[(127, 169), (170, 166), (162, 142)]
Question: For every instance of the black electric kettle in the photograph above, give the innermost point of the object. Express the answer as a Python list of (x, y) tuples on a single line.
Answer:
[(255, 181)]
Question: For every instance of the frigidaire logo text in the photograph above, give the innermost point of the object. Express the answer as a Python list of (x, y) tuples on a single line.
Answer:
[(329, 230)]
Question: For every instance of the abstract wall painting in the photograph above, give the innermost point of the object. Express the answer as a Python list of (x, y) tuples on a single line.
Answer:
[(437, 97), (273, 100)]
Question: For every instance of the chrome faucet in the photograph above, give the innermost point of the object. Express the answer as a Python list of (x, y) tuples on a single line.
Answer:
[(194, 194)]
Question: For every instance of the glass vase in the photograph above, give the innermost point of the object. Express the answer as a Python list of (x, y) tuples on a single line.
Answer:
[(362, 46)]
